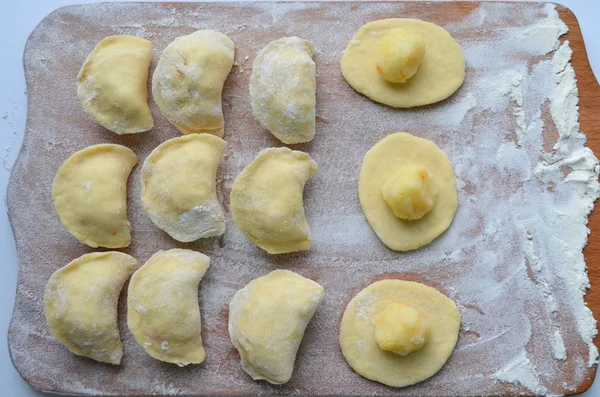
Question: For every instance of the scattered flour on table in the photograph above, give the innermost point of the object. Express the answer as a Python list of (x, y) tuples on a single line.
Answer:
[(512, 259), (558, 346), (569, 217), (521, 370)]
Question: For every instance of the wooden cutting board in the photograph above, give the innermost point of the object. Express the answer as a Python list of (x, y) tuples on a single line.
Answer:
[(57, 126)]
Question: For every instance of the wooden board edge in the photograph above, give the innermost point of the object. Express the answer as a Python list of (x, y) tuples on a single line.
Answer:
[(9, 200), (589, 119), (590, 124)]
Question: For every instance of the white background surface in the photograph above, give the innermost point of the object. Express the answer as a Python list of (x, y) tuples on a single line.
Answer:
[(17, 20)]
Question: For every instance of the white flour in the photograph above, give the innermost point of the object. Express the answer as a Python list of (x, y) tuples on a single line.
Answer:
[(568, 151), (512, 259), (520, 370)]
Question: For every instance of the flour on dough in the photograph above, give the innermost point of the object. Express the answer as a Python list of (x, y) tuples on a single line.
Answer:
[(179, 187), (162, 306), (282, 87), (188, 81), (267, 319), (81, 301)]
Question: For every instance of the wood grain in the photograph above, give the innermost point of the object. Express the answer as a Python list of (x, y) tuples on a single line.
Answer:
[(56, 126)]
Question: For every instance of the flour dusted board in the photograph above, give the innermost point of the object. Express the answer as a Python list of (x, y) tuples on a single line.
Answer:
[(483, 261)]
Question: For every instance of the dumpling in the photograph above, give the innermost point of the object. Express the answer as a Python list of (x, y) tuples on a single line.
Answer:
[(399, 332), (179, 187), (282, 87), (81, 302), (407, 191), (267, 319), (266, 200), (403, 62), (90, 195), (162, 306), (188, 81), (112, 84)]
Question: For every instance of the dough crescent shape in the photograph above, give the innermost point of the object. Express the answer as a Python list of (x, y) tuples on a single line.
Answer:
[(80, 303), (112, 84), (188, 81), (283, 87), (179, 187), (364, 355), (266, 200), (267, 319), (162, 306), (440, 75), (90, 195)]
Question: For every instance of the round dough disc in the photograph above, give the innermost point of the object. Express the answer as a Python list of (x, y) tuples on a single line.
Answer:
[(362, 351), (381, 162), (441, 73)]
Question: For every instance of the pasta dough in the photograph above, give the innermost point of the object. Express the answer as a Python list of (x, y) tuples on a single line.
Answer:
[(282, 87), (179, 187), (403, 152), (439, 75), (188, 81), (266, 200), (81, 301), (90, 195), (267, 319), (162, 306), (439, 314), (112, 84)]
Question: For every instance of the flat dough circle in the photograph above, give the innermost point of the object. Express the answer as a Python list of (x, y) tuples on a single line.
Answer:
[(383, 160), (441, 73), (362, 351)]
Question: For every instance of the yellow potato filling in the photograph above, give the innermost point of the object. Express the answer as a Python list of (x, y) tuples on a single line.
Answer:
[(400, 329), (401, 54), (410, 192)]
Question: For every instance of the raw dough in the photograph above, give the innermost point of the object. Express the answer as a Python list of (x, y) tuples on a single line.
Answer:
[(282, 87), (382, 161), (188, 81), (441, 318), (112, 84), (266, 200), (267, 319), (90, 195), (162, 306), (81, 301), (440, 74), (179, 187)]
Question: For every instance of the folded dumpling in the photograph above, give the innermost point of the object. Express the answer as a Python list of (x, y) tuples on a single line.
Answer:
[(90, 195), (267, 319), (266, 200), (188, 81), (81, 302), (179, 187), (282, 87), (112, 84), (162, 306)]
